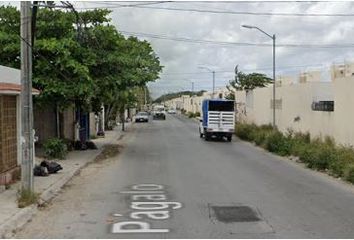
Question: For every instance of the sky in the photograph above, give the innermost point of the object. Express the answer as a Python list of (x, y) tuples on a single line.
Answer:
[(183, 61)]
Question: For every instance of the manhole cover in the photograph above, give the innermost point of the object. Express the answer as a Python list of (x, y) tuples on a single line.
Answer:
[(229, 214)]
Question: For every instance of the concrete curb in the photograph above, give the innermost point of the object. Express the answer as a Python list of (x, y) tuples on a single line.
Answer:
[(24, 215), (17, 221)]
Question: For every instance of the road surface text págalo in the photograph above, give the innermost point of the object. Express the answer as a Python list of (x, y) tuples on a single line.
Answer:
[(148, 202)]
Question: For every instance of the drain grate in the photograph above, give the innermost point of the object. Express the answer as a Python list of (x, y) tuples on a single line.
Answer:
[(229, 214)]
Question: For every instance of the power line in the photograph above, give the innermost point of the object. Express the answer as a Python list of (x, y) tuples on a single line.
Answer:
[(233, 44), (244, 69), (112, 5), (130, 5), (283, 68), (279, 14)]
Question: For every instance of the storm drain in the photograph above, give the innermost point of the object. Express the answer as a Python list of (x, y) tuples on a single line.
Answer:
[(230, 214)]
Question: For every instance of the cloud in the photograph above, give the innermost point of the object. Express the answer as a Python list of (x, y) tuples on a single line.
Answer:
[(182, 57)]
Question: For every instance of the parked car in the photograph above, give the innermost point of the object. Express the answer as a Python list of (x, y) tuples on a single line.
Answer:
[(159, 115), (142, 117), (171, 111)]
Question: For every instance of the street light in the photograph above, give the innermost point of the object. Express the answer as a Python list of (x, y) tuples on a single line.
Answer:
[(273, 38), (213, 72)]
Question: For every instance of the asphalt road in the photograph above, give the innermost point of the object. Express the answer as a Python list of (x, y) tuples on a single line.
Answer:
[(195, 189)]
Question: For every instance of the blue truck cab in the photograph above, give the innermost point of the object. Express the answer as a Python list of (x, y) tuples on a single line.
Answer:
[(218, 119)]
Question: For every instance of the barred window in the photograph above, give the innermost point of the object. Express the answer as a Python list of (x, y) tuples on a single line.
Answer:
[(278, 103), (326, 106)]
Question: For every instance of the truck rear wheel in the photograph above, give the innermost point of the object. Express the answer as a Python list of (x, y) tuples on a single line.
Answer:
[(229, 138)]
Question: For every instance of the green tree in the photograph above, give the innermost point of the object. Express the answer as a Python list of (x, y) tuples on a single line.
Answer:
[(60, 66), (243, 81), (79, 58)]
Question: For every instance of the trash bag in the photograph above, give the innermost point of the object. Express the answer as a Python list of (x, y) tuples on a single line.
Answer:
[(40, 171), (52, 167)]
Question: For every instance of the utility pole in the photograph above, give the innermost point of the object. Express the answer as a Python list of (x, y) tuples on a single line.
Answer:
[(213, 84), (26, 99), (273, 38), (274, 125), (145, 97)]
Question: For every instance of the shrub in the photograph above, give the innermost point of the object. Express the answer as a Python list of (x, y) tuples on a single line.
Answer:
[(343, 159), (349, 176), (307, 154), (260, 134), (278, 143), (324, 155), (319, 153), (197, 114), (259, 137), (190, 114), (55, 148), (244, 131)]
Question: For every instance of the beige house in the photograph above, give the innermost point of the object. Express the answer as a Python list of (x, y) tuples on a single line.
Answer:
[(194, 103), (10, 124), (306, 104)]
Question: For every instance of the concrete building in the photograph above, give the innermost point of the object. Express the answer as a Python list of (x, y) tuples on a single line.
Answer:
[(194, 103), (10, 124), (322, 108), (339, 71)]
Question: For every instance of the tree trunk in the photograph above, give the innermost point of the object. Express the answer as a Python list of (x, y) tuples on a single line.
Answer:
[(57, 120), (122, 118)]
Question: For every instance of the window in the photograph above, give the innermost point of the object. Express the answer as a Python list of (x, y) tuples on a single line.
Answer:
[(327, 106), (227, 106), (278, 103)]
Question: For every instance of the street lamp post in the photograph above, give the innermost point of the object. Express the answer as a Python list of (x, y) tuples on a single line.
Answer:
[(273, 38), (213, 72)]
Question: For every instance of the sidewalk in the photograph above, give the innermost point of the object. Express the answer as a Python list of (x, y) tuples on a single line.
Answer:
[(12, 217)]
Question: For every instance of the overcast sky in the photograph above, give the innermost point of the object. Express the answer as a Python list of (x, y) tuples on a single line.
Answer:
[(182, 59)]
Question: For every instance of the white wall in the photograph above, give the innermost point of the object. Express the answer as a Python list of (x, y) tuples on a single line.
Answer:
[(10, 75), (296, 112)]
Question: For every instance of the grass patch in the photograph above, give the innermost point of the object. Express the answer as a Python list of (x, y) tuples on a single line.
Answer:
[(321, 153), (26, 198), (193, 115), (55, 148), (109, 151)]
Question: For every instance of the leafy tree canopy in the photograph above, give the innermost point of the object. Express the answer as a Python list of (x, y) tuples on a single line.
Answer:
[(248, 82), (79, 58)]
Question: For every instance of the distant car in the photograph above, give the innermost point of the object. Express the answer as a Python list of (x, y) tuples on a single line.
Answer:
[(142, 117), (171, 111), (159, 115)]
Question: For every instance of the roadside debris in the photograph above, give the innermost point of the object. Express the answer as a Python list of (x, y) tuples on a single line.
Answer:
[(46, 168)]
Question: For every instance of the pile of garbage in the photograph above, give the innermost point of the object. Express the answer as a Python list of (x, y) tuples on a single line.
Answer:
[(46, 168)]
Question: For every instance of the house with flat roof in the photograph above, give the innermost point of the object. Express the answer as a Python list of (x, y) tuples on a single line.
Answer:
[(10, 124)]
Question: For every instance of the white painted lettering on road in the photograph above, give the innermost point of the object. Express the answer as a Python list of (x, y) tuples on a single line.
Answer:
[(154, 197), (147, 187), (148, 199), (154, 205), (140, 227), (156, 215)]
